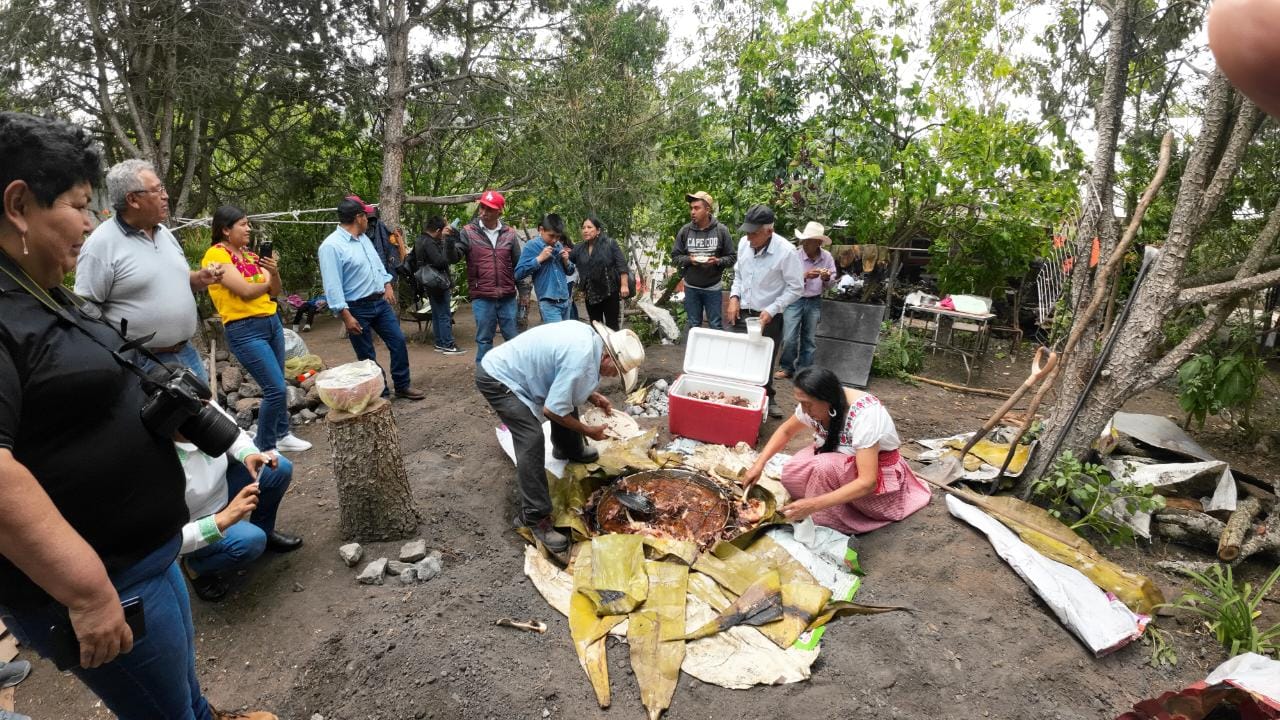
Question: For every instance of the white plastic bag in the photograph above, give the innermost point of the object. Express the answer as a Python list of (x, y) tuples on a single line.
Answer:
[(293, 345), (351, 387)]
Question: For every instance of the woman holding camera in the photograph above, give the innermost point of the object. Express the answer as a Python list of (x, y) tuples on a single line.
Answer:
[(93, 500), (244, 299), (603, 272)]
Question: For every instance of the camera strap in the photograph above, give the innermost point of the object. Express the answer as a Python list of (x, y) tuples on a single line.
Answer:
[(15, 272)]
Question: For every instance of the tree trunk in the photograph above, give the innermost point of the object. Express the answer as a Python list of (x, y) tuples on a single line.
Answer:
[(374, 500), (391, 189)]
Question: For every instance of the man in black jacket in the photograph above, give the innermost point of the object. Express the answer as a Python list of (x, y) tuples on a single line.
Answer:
[(438, 252), (702, 251)]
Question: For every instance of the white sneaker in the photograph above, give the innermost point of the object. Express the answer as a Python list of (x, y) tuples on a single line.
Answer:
[(292, 443)]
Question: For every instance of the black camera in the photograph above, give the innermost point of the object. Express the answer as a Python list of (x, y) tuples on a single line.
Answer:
[(175, 404)]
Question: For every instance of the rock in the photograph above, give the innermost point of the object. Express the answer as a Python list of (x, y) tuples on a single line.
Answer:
[(413, 551), (660, 384), (321, 409), (307, 415), (351, 553), (373, 572), (308, 383), (313, 397), (231, 379), (428, 567), (249, 404), (250, 389), (232, 398), (221, 355), (244, 419), (409, 576), (297, 587), (395, 567), (317, 716), (297, 398)]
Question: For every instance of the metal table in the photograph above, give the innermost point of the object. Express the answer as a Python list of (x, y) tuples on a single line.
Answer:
[(927, 317)]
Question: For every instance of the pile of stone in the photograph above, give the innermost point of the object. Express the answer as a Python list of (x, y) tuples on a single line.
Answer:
[(243, 396), (655, 401), (415, 565)]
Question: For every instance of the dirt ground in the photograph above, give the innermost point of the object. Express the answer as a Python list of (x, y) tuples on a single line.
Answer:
[(299, 636)]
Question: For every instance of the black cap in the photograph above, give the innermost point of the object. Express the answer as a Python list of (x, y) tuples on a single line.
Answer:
[(348, 209), (757, 217)]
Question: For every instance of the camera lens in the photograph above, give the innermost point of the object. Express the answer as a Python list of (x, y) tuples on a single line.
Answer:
[(211, 431)]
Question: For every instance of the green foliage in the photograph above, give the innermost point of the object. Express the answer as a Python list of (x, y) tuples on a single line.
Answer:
[(1221, 379), (1230, 610), (1083, 495), (898, 355), (1162, 653)]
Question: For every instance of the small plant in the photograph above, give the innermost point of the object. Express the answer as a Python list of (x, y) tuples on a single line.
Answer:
[(1162, 653), (1210, 384), (1084, 495), (898, 355), (1229, 611)]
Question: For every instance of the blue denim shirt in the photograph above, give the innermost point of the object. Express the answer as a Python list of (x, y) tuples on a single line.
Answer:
[(350, 269), (550, 279)]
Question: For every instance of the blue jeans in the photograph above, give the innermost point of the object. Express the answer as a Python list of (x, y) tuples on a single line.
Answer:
[(245, 541), (696, 301), (381, 318), (157, 679), (442, 320), (491, 315), (553, 310), (188, 356), (258, 343), (801, 318)]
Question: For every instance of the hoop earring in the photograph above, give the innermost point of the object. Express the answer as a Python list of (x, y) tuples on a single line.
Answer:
[(832, 412), (24, 244)]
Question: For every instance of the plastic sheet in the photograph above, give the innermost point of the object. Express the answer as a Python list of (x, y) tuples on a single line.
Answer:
[(350, 387)]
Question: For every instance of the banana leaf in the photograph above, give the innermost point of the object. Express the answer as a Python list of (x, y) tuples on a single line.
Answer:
[(759, 605), (992, 453), (618, 581), (1051, 538), (619, 457), (840, 608), (568, 495), (589, 631), (656, 662), (669, 549)]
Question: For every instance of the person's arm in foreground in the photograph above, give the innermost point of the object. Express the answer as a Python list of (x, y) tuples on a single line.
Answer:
[(783, 435), (38, 541)]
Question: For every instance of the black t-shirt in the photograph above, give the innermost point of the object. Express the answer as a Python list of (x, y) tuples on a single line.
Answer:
[(70, 413)]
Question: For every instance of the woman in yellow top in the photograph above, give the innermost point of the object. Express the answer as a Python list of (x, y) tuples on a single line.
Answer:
[(244, 301)]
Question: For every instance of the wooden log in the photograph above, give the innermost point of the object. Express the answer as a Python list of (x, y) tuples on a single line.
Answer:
[(1268, 540), (1188, 527), (1237, 528), (374, 499), (961, 388)]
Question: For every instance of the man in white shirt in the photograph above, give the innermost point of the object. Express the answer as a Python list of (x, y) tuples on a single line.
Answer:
[(767, 277)]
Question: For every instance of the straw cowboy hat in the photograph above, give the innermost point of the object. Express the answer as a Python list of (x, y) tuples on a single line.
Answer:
[(813, 231), (626, 350)]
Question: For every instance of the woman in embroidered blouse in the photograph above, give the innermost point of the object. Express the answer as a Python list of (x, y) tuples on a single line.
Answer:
[(244, 301), (852, 478)]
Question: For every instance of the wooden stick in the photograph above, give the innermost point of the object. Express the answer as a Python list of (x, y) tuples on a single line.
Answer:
[(961, 388), (1237, 528)]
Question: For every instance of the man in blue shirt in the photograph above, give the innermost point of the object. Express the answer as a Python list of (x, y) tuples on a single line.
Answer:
[(548, 372), (547, 260), (360, 291)]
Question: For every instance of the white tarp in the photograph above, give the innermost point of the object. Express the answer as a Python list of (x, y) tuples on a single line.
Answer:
[(1102, 622), (509, 447), (1253, 673), (1189, 479)]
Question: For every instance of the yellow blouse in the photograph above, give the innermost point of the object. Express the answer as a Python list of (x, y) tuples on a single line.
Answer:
[(231, 307)]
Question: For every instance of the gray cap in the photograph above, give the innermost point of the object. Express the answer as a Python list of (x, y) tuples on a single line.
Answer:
[(757, 217)]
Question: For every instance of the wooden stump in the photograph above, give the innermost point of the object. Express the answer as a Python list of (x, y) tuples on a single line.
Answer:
[(374, 500)]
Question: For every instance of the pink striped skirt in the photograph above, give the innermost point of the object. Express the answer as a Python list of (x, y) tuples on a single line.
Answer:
[(898, 491)]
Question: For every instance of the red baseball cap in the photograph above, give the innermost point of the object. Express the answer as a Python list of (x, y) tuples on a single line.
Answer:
[(368, 209), (493, 199)]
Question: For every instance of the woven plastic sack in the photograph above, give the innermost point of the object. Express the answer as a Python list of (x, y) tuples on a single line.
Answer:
[(294, 367), (350, 387), (294, 345)]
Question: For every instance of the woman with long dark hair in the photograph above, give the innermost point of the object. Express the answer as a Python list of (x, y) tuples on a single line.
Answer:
[(603, 271), (852, 478), (244, 299)]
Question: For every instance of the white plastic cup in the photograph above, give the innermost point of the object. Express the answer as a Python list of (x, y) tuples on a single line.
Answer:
[(754, 328)]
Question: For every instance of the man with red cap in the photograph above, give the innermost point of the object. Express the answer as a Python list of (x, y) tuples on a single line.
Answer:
[(491, 250)]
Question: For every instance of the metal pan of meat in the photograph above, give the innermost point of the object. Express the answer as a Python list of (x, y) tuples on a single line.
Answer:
[(678, 505)]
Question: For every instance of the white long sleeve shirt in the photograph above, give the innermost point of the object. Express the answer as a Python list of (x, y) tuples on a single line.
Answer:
[(207, 487), (770, 280)]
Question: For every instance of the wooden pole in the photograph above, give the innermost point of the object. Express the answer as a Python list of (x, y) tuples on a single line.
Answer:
[(374, 499)]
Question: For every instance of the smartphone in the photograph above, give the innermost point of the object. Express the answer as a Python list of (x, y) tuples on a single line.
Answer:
[(264, 249), (66, 648)]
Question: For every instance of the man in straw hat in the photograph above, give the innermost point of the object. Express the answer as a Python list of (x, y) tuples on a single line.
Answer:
[(547, 372), (801, 317)]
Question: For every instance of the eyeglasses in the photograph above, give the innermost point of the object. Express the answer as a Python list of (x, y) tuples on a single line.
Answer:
[(160, 190)]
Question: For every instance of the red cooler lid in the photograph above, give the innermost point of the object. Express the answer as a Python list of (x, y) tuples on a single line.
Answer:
[(728, 355)]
